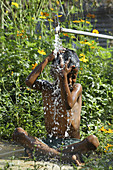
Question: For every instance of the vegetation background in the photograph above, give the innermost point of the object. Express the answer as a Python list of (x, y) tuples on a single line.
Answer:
[(27, 37)]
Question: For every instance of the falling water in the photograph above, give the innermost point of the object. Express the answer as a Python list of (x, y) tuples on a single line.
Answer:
[(57, 44), (57, 91)]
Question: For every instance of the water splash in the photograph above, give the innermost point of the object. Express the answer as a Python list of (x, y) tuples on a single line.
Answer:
[(57, 44)]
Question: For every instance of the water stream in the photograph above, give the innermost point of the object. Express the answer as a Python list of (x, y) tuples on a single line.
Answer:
[(57, 44)]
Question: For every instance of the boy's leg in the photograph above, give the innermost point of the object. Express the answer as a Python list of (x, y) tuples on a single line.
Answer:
[(33, 143), (88, 144)]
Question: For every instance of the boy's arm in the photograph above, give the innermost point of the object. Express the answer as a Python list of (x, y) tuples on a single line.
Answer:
[(69, 98), (30, 80)]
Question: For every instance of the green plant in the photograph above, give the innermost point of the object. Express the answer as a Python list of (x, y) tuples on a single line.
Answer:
[(27, 36)]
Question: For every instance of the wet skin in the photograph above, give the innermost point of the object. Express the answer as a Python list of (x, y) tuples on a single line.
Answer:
[(62, 103), (62, 107)]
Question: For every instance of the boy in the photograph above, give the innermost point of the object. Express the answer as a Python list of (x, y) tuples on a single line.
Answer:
[(62, 102)]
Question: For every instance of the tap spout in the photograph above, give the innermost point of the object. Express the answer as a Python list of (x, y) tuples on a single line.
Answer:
[(66, 30)]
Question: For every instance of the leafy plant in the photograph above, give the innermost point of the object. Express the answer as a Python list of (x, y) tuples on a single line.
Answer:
[(27, 36)]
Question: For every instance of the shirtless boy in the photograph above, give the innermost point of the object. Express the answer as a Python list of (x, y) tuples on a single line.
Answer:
[(62, 101)]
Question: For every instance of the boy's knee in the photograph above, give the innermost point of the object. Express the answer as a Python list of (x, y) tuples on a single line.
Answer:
[(94, 140), (19, 132)]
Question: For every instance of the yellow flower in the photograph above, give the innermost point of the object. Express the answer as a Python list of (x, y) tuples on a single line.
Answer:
[(65, 34), (57, 2), (109, 131), (12, 73), (109, 124), (41, 13), (51, 9), (92, 42), (92, 47), (82, 42), (76, 21), (6, 11), (59, 16), (102, 129), (83, 58), (50, 20), (82, 55), (91, 15), (109, 145), (34, 65), (82, 20), (72, 36), (95, 31), (20, 34), (88, 43), (40, 37), (33, 18), (106, 147), (87, 22), (41, 52), (14, 4), (28, 89), (43, 17), (44, 14), (105, 151)]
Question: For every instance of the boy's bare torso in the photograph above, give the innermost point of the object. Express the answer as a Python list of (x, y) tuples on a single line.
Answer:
[(60, 122)]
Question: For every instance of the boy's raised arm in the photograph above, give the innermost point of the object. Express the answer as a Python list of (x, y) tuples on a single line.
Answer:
[(37, 71)]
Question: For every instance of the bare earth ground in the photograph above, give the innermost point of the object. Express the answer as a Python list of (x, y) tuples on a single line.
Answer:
[(12, 157), (29, 165)]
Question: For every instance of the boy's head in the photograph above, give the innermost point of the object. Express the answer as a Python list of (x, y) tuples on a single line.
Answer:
[(67, 55)]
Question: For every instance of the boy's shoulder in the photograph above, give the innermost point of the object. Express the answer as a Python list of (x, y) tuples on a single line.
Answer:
[(45, 84), (77, 85)]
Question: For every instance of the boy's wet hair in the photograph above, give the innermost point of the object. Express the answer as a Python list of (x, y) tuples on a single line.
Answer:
[(66, 55)]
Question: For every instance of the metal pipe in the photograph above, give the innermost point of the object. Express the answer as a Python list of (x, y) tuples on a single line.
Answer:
[(84, 33)]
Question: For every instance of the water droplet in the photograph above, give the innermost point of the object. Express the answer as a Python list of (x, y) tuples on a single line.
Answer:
[(72, 148), (66, 134)]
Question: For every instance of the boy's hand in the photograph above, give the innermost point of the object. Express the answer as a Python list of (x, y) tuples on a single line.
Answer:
[(51, 57), (64, 66)]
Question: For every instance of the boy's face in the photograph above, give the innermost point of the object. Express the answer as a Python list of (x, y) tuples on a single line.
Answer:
[(72, 76)]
